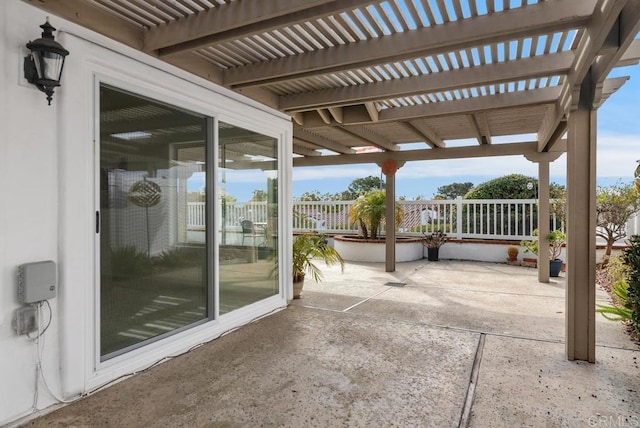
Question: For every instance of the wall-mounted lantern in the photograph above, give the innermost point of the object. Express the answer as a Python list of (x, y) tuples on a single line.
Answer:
[(43, 67)]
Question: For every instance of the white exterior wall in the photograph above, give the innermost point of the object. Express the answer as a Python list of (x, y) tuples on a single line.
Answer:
[(47, 202), (479, 252), (483, 252), (28, 208), (375, 252)]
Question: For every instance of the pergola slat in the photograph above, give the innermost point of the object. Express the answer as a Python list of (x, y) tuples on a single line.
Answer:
[(425, 41)]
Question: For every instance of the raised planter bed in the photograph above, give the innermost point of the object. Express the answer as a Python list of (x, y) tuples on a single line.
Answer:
[(357, 249)]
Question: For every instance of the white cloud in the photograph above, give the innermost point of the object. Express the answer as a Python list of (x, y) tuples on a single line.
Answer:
[(318, 173), (617, 155), (489, 167), (245, 176)]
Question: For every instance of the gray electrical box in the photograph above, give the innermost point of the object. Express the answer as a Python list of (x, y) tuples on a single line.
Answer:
[(26, 319), (36, 281)]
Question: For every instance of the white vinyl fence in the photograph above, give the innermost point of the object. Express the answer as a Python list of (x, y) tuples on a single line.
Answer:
[(460, 218), (500, 219)]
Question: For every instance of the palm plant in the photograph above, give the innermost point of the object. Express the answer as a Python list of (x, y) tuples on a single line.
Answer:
[(308, 246), (369, 212), (623, 310)]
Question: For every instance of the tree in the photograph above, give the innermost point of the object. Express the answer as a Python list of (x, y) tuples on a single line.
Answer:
[(556, 191), (513, 186), (315, 196), (259, 195), (558, 195), (360, 186), (453, 190), (195, 197), (615, 205)]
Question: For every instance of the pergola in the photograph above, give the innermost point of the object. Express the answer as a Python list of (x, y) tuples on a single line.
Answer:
[(359, 73)]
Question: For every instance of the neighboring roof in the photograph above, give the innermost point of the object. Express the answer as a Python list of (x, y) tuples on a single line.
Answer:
[(355, 73)]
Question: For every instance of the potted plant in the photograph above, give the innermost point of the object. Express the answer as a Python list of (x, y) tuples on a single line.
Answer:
[(512, 253), (306, 247), (433, 242), (556, 240)]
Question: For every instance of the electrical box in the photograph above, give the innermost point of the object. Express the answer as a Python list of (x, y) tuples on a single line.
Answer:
[(25, 320), (37, 281)]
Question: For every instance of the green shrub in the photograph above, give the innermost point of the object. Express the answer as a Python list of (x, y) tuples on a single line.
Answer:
[(631, 257), (513, 186), (616, 269), (556, 239), (129, 263), (621, 310), (174, 257)]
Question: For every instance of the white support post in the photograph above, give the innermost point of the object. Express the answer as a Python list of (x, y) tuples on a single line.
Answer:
[(543, 221), (543, 159), (389, 169), (459, 217), (390, 235)]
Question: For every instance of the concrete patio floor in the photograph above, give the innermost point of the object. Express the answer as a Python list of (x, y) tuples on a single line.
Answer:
[(460, 344)]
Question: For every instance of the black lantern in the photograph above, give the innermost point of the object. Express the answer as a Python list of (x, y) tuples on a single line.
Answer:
[(43, 67)]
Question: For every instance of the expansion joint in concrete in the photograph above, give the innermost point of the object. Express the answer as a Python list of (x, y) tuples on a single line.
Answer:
[(473, 381)]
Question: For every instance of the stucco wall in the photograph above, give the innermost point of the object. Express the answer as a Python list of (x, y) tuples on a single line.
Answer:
[(47, 202), (28, 207)]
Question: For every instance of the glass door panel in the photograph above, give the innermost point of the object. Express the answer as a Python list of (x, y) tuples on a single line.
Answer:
[(248, 229), (153, 247)]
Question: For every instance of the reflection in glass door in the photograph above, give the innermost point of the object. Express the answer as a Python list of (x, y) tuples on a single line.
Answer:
[(153, 263), (248, 189)]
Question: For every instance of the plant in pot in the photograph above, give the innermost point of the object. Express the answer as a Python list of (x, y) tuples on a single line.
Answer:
[(556, 240), (369, 213), (512, 253), (433, 242), (306, 248)]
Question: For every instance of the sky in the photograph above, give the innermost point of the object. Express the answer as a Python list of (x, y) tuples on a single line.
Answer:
[(618, 148)]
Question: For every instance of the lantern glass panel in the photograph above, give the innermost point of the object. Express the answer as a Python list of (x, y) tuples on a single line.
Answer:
[(48, 65)]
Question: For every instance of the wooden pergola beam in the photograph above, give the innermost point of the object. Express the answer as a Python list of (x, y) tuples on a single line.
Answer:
[(483, 123), (472, 105), (359, 115), (544, 17), (86, 14), (487, 150), (475, 128), (604, 18), (318, 140), (237, 20), (431, 138), (367, 136), (624, 31), (527, 68)]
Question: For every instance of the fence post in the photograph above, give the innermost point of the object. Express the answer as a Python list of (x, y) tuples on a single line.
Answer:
[(459, 217)]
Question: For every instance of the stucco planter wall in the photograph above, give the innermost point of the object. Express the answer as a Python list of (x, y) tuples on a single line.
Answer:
[(354, 249)]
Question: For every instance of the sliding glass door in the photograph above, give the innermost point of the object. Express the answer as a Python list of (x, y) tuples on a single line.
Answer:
[(153, 263), (248, 189), (156, 220)]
